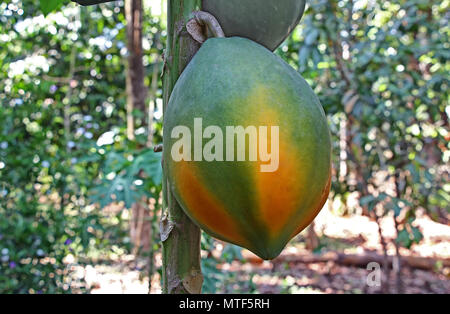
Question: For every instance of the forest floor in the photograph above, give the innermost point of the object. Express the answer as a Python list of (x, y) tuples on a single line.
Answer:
[(298, 270)]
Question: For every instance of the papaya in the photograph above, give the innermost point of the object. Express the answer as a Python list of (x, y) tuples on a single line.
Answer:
[(268, 22), (247, 146)]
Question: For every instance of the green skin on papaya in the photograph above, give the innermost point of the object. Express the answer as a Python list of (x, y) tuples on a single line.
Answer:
[(268, 22), (237, 82)]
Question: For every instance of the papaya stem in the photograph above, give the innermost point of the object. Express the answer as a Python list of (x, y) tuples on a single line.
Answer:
[(208, 20), (202, 23)]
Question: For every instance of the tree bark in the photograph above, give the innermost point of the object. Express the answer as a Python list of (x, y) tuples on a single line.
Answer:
[(398, 257), (312, 240), (140, 225), (386, 270), (180, 236), (136, 90)]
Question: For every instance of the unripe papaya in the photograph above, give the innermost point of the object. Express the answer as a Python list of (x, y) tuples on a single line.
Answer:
[(268, 22), (247, 146)]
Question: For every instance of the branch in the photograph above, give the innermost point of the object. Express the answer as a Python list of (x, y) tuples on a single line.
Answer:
[(416, 262), (91, 2), (60, 80), (337, 49)]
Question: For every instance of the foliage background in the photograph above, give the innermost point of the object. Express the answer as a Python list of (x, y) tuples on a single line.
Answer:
[(380, 69)]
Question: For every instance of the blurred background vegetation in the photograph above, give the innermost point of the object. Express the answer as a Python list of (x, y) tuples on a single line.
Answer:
[(80, 183)]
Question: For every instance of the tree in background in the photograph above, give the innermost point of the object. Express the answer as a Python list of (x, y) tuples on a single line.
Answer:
[(379, 69), (63, 148)]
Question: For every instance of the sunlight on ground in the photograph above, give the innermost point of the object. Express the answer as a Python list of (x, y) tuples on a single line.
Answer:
[(352, 235)]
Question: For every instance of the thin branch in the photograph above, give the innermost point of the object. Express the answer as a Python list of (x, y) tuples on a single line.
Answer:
[(91, 2), (61, 80), (67, 103)]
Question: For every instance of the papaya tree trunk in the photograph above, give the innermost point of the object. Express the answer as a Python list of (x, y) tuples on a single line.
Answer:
[(180, 236)]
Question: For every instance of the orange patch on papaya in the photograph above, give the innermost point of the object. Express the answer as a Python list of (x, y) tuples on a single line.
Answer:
[(278, 192), (205, 208), (318, 208)]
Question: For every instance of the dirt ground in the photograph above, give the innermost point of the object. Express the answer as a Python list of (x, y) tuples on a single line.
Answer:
[(355, 235)]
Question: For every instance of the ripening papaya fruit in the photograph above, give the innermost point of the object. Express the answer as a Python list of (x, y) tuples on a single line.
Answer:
[(268, 22), (247, 146)]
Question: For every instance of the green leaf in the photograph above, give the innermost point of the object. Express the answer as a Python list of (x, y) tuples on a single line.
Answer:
[(367, 199), (311, 37), (417, 235), (48, 6), (150, 163), (403, 238)]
